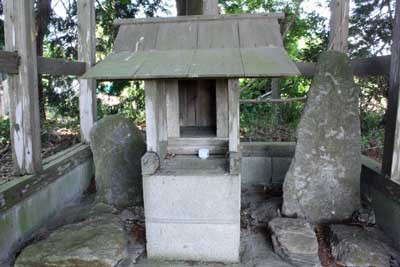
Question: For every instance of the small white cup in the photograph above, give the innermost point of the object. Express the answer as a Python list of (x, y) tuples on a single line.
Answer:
[(204, 153)]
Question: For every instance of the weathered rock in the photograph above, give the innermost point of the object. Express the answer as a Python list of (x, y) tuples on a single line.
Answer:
[(362, 247), (323, 181), (256, 251), (118, 146), (263, 212), (133, 214), (259, 205), (97, 242), (295, 241), (150, 163), (134, 224), (365, 215)]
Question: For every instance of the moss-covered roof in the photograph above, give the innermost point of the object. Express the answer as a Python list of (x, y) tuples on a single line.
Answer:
[(197, 46)]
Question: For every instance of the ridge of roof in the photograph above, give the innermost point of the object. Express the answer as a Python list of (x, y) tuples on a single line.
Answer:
[(119, 22)]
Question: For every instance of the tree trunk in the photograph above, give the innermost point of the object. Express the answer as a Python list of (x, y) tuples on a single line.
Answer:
[(181, 7), (339, 24), (42, 22), (190, 7), (391, 158)]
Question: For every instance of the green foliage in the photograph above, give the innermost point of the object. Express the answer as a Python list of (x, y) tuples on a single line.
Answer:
[(372, 110), (270, 122), (370, 34), (315, 38), (371, 27), (4, 131), (61, 93), (108, 11), (61, 40), (305, 38), (373, 133), (131, 102)]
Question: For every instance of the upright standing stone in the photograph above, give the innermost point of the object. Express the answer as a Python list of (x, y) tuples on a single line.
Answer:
[(118, 146), (323, 181)]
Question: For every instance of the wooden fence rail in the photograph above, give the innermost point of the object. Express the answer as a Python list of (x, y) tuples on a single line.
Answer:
[(55, 66), (9, 63), (272, 100), (371, 66)]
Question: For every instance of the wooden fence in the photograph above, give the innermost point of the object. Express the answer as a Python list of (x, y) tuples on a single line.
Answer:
[(22, 65)]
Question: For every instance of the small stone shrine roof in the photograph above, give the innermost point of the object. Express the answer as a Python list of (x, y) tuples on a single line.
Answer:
[(223, 46)]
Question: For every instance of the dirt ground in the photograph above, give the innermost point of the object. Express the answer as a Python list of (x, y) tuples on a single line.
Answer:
[(57, 141)]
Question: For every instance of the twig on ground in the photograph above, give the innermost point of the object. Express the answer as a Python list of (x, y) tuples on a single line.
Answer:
[(4, 150)]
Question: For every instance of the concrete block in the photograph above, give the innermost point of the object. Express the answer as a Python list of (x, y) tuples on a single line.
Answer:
[(213, 198), (193, 217), (193, 241), (387, 212), (280, 166), (256, 170)]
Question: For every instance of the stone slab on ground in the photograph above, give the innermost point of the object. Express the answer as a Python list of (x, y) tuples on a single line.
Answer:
[(96, 242), (295, 240), (323, 181), (362, 247)]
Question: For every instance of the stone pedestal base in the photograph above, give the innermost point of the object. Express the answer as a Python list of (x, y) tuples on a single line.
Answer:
[(193, 216)]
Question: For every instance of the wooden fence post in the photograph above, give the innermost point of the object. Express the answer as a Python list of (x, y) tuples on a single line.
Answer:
[(172, 102), (196, 7), (221, 94), (234, 119), (339, 23), (275, 94), (2, 97), (23, 87), (156, 116), (391, 155), (87, 53)]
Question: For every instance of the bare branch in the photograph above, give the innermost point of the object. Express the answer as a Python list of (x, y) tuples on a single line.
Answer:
[(290, 23)]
